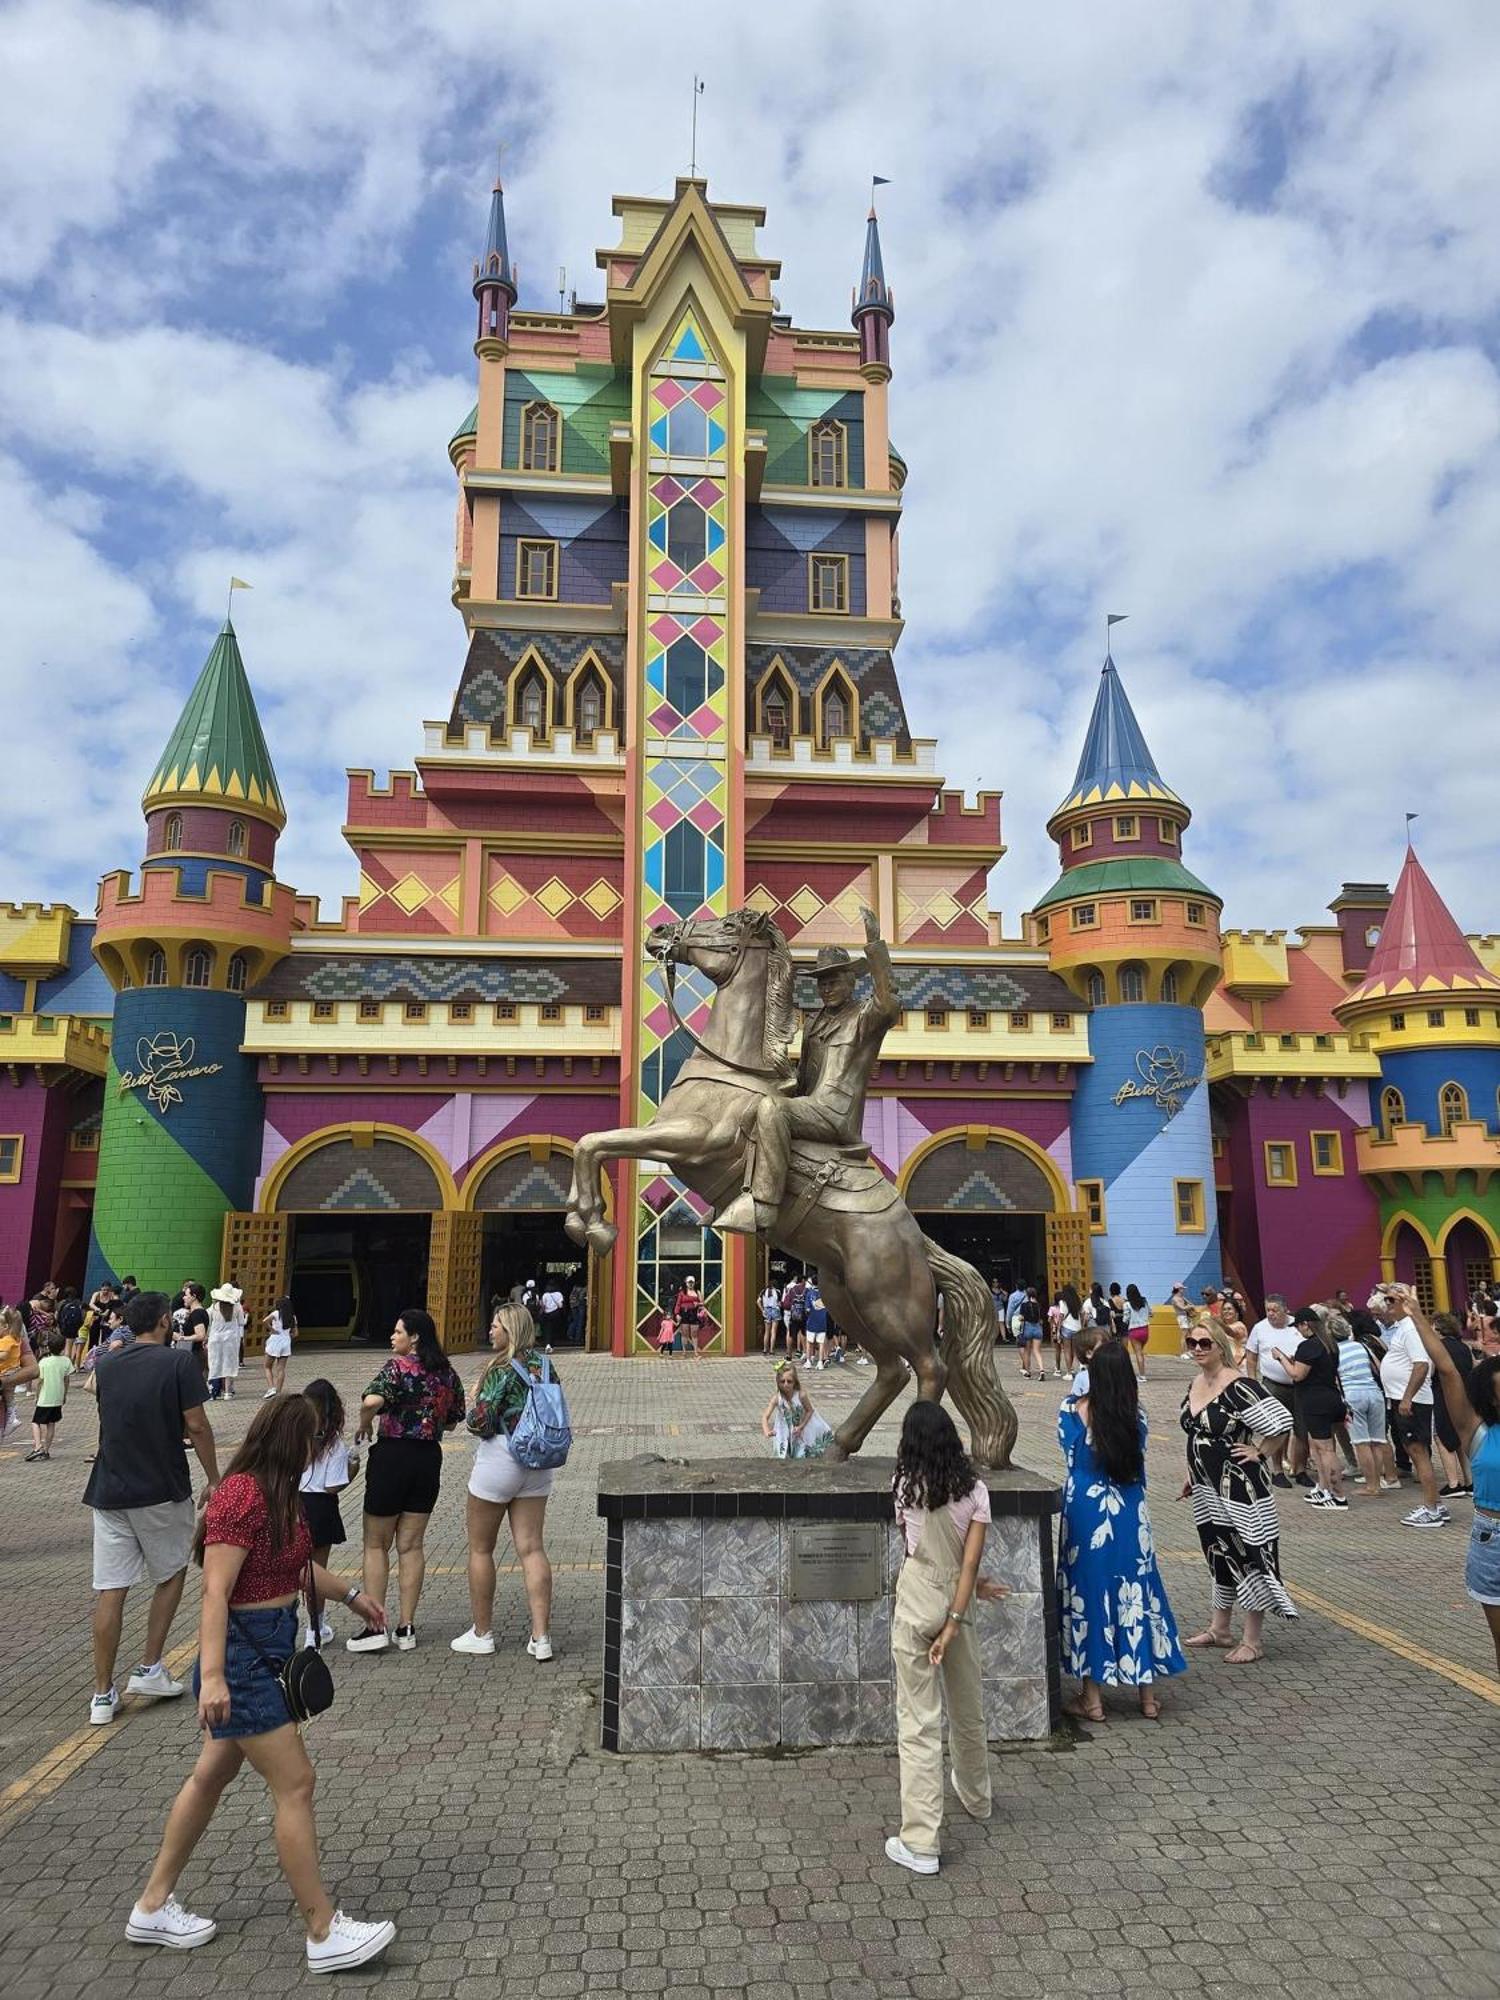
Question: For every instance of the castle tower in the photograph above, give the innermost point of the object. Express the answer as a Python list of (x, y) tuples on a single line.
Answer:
[(182, 1111), (495, 288), (1137, 937), (1430, 1012), (874, 308)]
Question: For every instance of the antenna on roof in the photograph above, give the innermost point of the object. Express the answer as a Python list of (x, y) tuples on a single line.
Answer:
[(697, 93), (562, 288)]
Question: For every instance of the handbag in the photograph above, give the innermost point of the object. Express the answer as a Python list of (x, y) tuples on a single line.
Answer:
[(304, 1680)]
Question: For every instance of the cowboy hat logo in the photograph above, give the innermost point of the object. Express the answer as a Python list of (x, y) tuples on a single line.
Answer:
[(1164, 1078), (165, 1059)]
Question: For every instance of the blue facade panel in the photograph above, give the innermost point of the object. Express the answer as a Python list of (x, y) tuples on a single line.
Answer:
[(1127, 1134), (1420, 1074)]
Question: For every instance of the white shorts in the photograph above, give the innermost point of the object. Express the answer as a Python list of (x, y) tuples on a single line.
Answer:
[(496, 1477), (132, 1542), (278, 1346)]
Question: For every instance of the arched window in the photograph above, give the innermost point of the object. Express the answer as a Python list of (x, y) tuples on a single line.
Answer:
[(1095, 989), (1392, 1110), (1453, 1104), (541, 432), (776, 703), (1132, 984), (836, 709), (827, 455), (156, 968), (1169, 986), (172, 835), (835, 714), (236, 972), (588, 707), (197, 968), (234, 840), (531, 703)]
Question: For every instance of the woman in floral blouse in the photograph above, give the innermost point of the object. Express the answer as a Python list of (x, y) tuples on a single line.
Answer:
[(415, 1398), (502, 1490)]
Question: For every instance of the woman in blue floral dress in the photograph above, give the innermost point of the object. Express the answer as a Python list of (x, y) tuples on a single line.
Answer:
[(1117, 1626)]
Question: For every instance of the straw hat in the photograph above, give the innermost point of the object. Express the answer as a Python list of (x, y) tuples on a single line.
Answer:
[(226, 1295)]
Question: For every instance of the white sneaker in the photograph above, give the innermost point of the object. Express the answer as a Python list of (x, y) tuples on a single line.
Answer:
[(321, 1637), (540, 1649), (348, 1943), (155, 1682), (178, 1929), (368, 1641), (406, 1638), (1318, 1498), (269, 1396), (1425, 1517), (473, 1642), (897, 1850), (102, 1708), (1390, 1485)]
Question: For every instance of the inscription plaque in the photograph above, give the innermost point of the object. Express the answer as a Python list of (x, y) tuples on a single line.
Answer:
[(837, 1560)]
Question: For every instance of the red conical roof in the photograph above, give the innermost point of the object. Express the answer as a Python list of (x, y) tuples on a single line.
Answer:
[(1421, 948)]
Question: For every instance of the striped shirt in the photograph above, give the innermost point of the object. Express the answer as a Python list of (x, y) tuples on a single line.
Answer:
[(1356, 1370)]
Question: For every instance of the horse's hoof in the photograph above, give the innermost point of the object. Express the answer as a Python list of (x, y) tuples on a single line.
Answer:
[(836, 1452), (575, 1226), (600, 1237)]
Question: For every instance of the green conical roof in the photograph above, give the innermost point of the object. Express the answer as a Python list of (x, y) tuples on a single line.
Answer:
[(217, 752)]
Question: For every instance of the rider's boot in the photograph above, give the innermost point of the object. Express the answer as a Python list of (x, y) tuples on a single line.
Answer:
[(745, 1215)]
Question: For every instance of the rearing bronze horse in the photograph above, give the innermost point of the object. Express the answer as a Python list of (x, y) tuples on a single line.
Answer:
[(879, 1274)]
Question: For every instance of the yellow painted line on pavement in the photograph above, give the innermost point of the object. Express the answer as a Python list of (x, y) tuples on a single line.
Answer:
[(1486, 1686), (52, 1771)]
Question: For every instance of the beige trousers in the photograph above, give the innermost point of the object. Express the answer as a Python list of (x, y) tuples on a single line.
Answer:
[(924, 1591)]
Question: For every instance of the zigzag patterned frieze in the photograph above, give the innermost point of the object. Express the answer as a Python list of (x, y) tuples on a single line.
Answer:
[(379, 977), (807, 666), (1027, 989)]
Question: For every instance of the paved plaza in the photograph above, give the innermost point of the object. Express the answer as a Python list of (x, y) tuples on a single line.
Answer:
[(1322, 1821)]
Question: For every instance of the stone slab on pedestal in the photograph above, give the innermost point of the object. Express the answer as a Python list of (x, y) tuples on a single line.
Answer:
[(706, 1647)]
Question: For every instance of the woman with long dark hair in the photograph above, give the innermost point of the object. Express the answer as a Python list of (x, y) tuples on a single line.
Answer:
[(1137, 1327), (1065, 1328), (1117, 1626), (281, 1330), (1474, 1404), (943, 1510), (415, 1398), (329, 1471), (255, 1550), (1314, 1369)]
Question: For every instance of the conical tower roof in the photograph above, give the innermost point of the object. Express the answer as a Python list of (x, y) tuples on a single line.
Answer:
[(1116, 764), (217, 753), (494, 266), (1421, 948), (874, 295)]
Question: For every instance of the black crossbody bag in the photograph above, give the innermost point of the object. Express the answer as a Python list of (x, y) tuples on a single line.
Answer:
[(305, 1679)]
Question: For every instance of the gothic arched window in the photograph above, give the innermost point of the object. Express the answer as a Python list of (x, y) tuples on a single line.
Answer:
[(531, 703), (1453, 1104), (156, 968), (827, 456), (1392, 1110), (1132, 984), (1095, 989), (234, 840), (236, 973), (172, 833), (541, 432), (588, 708), (1169, 986)]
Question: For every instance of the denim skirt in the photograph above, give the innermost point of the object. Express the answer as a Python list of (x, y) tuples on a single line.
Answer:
[(256, 1702), (1482, 1570)]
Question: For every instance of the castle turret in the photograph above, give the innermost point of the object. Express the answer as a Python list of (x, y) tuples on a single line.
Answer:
[(874, 308), (495, 286), (1137, 937), (206, 920)]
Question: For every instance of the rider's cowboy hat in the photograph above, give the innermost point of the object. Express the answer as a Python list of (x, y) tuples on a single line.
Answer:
[(226, 1295), (834, 958)]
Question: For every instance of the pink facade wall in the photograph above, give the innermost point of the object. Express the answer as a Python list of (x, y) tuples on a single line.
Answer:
[(28, 1211), (896, 1126), (1304, 1241)]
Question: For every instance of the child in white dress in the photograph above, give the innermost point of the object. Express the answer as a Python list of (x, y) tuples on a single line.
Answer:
[(790, 1421)]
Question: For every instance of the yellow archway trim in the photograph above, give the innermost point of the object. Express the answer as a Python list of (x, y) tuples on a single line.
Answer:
[(540, 1145), (1393, 1229), (1483, 1223), (357, 1133), (976, 1138)]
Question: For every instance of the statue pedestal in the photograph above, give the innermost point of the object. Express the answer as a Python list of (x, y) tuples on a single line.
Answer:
[(717, 1635)]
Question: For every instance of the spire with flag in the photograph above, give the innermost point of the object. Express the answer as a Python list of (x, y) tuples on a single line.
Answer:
[(874, 302)]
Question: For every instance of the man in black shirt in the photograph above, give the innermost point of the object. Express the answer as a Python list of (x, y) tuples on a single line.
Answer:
[(142, 1493)]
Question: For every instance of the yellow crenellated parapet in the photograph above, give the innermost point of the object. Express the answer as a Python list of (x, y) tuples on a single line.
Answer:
[(1249, 1053), (34, 938), (56, 1041), (1255, 961), (1414, 1151)]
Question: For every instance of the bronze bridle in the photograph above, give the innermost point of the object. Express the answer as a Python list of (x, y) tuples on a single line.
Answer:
[(665, 952)]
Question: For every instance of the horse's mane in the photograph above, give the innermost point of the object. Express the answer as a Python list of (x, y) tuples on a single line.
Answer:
[(780, 1013)]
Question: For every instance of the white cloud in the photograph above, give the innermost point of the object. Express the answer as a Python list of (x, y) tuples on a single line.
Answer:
[(1270, 431)]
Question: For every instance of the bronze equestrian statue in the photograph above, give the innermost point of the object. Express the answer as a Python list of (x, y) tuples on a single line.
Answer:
[(774, 1146)]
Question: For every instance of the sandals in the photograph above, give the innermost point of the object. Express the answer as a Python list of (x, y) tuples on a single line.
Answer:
[(1244, 1655), (1079, 1713), (1210, 1638), (1150, 1707)]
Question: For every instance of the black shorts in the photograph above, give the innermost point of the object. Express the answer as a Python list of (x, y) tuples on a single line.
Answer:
[(324, 1522), (1320, 1414), (403, 1476), (47, 1413), (1415, 1427)]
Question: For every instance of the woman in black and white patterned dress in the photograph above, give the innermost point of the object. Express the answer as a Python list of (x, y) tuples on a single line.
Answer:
[(1227, 1419)]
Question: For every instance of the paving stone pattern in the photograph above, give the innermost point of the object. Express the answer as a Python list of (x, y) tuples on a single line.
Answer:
[(1321, 1823)]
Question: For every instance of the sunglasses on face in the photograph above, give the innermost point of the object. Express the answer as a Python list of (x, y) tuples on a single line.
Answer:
[(1202, 1346)]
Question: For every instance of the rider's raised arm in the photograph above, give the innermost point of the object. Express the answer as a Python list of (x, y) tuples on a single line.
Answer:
[(878, 958)]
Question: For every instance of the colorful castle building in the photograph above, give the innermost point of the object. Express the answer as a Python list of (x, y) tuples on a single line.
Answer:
[(677, 566)]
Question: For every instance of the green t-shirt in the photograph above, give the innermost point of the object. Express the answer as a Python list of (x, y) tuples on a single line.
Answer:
[(53, 1385)]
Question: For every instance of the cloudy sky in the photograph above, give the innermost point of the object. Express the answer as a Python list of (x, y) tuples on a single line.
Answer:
[(1199, 320)]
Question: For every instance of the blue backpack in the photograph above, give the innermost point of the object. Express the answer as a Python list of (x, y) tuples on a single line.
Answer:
[(543, 1435)]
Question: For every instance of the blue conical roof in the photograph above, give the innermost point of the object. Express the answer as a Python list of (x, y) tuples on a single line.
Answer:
[(873, 294), (495, 264), (1115, 763)]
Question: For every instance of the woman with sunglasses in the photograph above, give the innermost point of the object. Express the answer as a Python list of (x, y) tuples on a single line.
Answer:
[(1227, 1420)]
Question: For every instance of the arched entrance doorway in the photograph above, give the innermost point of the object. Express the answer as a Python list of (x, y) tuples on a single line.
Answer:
[(995, 1199), (1407, 1253), (1469, 1252), (359, 1207), (520, 1193)]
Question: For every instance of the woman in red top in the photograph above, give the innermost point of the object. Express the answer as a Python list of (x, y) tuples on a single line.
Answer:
[(687, 1310), (254, 1547)]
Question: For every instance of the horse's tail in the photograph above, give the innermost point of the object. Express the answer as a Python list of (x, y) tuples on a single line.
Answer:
[(969, 1356)]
